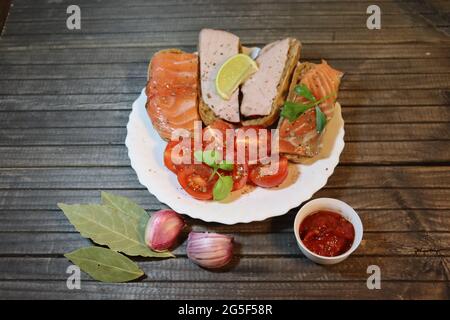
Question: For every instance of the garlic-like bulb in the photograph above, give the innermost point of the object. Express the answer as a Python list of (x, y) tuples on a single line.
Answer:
[(163, 229), (210, 250)]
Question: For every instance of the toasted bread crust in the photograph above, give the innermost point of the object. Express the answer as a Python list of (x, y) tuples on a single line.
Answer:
[(206, 113), (282, 88)]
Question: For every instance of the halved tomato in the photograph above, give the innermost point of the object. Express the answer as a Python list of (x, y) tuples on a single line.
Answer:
[(271, 178), (240, 176), (245, 140), (173, 160), (215, 136), (197, 180)]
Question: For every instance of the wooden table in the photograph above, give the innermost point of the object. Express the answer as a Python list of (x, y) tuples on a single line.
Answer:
[(65, 97)]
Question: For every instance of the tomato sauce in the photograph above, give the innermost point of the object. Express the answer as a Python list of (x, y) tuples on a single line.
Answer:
[(327, 233)]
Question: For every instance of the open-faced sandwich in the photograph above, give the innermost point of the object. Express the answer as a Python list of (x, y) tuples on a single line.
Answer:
[(225, 99)]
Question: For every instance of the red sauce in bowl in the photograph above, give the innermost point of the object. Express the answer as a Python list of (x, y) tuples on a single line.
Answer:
[(327, 233)]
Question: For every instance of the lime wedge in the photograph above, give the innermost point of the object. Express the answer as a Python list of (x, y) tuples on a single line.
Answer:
[(233, 73)]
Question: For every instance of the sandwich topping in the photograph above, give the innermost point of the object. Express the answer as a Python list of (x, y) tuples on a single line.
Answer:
[(261, 89), (216, 47), (172, 92), (311, 105)]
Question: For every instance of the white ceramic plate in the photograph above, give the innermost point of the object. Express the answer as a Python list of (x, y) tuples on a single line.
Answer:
[(146, 149)]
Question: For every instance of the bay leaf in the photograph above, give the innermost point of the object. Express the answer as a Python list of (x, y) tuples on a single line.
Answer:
[(127, 207), (108, 226), (124, 204), (104, 264)]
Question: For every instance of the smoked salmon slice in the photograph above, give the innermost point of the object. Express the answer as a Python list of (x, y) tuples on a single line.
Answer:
[(172, 91), (300, 137)]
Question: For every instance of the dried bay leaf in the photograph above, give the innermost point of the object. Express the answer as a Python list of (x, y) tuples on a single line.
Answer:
[(108, 226), (127, 207), (104, 264)]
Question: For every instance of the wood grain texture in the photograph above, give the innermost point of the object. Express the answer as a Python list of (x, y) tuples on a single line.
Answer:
[(248, 244), (124, 177), (360, 198), (65, 98), (426, 117), (219, 290), (374, 220), (370, 152), (348, 98), (83, 135), (246, 269), (125, 70), (138, 10)]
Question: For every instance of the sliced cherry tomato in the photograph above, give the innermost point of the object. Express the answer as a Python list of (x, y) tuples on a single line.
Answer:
[(271, 179), (196, 180), (215, 135), (173, 160), (253, 142), (240, 176)]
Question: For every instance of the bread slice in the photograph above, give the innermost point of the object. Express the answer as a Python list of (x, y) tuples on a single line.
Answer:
[(206, 113), (282, 88)]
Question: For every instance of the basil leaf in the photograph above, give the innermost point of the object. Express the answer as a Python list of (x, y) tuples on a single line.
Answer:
[(321, 120), (212, 157), (222, 188), (226, 166), (292, 110), (198, 155), (104, 264), (302, 90)]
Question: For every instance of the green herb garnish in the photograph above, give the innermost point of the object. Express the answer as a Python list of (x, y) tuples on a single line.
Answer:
[(223, 187), (293, 110), (302, 90), (224, 184), (321, 120)]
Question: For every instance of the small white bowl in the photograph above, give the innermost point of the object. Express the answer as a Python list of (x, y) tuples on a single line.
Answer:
[(337, 206)]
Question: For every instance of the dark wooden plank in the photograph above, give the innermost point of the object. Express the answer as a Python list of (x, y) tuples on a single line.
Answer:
[(212, 9), (118, 3), (134, 85), (124, 178), (123, 70), (362, 198), (143, 53), (238, 23), (250, 244), (116, 135), (246, 269), (384, 220), (188, 39), (390, 152), (101, 119), (75, 102), (348, 98), (219, 290)]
